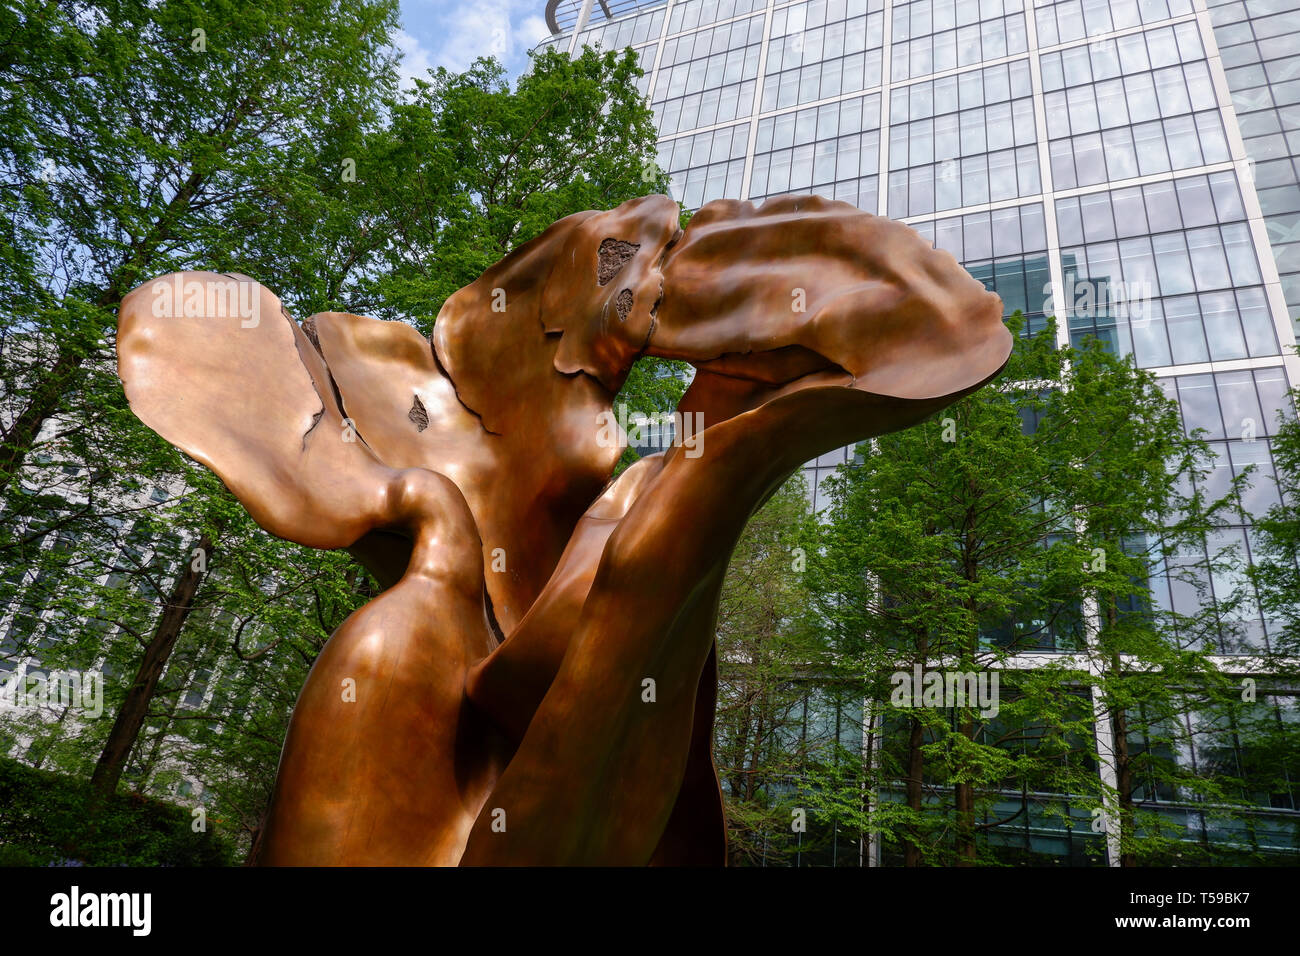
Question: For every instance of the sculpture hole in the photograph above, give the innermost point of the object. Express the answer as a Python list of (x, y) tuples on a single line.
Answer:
[(612, 256), (624, 304), (418, 414)]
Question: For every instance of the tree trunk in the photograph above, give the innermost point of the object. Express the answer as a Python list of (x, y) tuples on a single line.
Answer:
[(131, 716), (751, 778), (964, 793), (915, 767), (255, 847), (740, 749), (1123, 759), (19, 437), (964, 800), (864, 803), (1124, 783)]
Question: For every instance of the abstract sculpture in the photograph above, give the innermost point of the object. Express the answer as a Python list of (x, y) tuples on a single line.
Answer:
[(491, 706)]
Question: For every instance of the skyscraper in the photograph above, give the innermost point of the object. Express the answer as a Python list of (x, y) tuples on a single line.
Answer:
[(1128, 166)]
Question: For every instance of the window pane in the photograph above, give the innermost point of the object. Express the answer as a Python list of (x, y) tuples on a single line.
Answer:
[(1186, 332), (1200, 405), (1120, 154), (1222, 329), (1209, 265), (1256, 322), (1173, 265), (1241, 254)]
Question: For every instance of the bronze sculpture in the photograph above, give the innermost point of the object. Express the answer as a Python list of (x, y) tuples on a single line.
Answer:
[(536, 685)]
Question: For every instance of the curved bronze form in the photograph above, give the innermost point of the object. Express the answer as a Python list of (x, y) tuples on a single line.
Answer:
[(536, 685)]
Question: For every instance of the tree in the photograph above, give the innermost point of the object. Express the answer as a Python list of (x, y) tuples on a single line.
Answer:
[(1264, 725), (468, 168), (1032, 515), (1276, 571), (1138, 488), (766, 655), (152, 137), (271, 143)]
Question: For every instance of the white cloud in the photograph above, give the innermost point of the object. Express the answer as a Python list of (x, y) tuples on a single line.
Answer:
[(416, 60), (457, 33), (533, 30), (474, 30)]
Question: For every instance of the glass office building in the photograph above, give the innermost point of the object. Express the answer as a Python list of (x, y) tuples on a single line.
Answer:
[(1079, 157)]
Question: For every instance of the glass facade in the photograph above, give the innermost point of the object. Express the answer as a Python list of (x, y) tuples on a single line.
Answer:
[(1130, 166)]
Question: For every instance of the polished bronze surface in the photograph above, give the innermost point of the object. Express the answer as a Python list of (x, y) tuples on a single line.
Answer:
[(536, 684)]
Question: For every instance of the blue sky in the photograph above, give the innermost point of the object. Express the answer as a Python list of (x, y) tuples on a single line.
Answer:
[(452, 33)]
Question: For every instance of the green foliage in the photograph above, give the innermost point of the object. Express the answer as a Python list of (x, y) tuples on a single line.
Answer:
[(652, 389), (147, 138), (765, 645), (48, 819), (1276, 572), (1035, 514), (468, 168)]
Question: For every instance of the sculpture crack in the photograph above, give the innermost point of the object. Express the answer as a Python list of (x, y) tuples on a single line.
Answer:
[(315, 420), (437, 360), (309, 330), (654, 309)]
